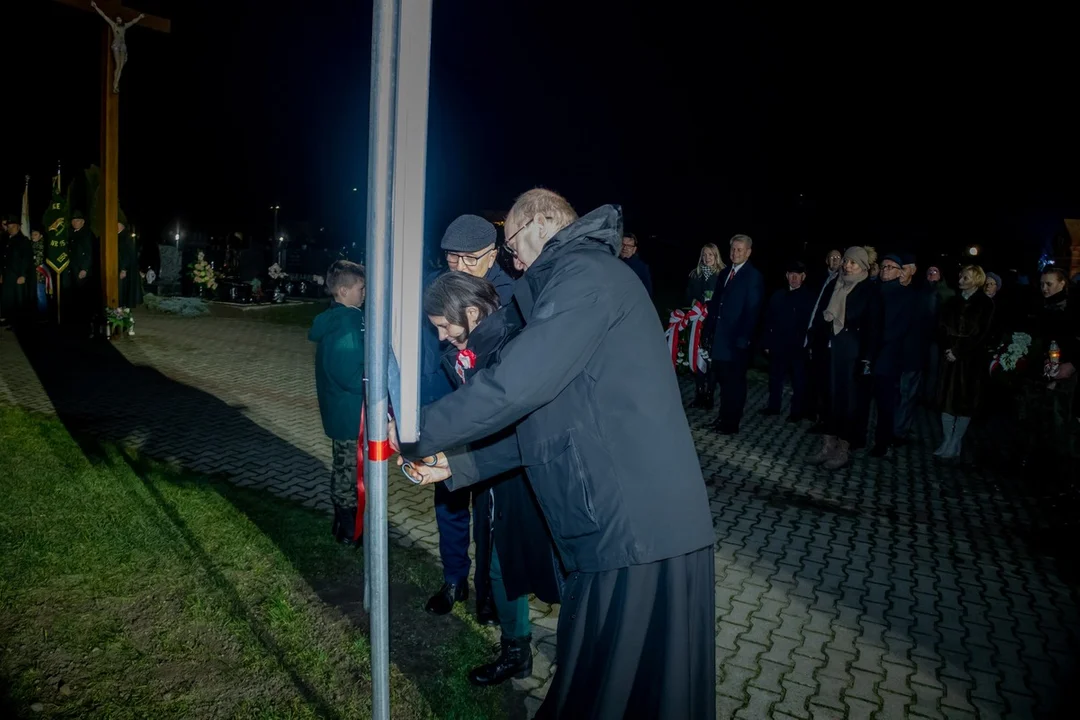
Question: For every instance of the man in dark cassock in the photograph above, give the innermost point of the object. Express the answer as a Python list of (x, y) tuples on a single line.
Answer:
[(18, 276), (601, 432), (83, 306), (131, 289)]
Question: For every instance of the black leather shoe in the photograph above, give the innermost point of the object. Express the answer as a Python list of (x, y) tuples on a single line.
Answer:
[(443, 601), (769, 413), (793, 418), (344, 525), (879, 451), (486, 614), (515, 661), (817, 428), (724, 429)]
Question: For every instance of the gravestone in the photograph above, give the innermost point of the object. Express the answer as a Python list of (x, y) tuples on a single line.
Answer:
[(169, 277)]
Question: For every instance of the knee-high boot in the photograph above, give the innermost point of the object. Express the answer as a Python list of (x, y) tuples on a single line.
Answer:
[(948, 427), (956, 444)]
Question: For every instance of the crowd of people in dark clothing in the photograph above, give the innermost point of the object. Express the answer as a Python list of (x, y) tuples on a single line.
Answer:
[(34, 292), (867, 339)]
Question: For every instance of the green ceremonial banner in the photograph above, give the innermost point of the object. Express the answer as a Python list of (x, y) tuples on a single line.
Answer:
[(56, 230)]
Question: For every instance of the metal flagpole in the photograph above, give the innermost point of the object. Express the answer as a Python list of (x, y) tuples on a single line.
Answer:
[(385, 33), (67, 214)]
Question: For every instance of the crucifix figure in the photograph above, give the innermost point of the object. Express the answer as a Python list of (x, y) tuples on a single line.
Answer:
[(119, 44), (113, 56)]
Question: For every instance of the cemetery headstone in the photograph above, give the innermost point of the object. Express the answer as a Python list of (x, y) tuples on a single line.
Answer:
[(169, 276)]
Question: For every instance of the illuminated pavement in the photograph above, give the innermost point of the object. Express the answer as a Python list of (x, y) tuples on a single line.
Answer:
[(891, 589)]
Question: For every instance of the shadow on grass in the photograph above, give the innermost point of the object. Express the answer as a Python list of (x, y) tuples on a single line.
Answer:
[(101, 397)]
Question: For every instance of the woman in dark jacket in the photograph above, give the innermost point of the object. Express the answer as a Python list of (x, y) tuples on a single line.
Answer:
[(700, 289), (963, 329), (849, 335), (702, 283), (465, 311)]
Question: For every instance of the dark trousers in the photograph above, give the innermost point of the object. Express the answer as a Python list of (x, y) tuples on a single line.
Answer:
[(819, 395), (731, 377), (783, 364), (887, 397), (452, 516), (905, 409), (930, 374), (845, 387), (701, 382), (864, 394)]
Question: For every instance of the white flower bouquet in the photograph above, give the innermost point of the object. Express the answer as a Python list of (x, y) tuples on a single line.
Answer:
[(1013, 354)]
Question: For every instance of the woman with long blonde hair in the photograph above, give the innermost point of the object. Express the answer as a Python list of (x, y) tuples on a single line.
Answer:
[(963, 326), (703, 277), (700, 289)]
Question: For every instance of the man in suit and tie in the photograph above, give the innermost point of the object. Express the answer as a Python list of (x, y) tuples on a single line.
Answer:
[(733, 315)]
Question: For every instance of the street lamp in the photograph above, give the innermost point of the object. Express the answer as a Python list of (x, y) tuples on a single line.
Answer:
[(275, 208)]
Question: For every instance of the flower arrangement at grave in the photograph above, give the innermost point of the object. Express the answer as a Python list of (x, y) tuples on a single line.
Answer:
[(256, 290), (119, 321), (684, 337), (1012, 355), (282, 283), (202, 274)]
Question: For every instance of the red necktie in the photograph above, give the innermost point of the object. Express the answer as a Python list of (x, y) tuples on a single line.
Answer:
[(730, 275)]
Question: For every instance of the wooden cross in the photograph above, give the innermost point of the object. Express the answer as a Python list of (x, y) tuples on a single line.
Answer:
[(110, 137)]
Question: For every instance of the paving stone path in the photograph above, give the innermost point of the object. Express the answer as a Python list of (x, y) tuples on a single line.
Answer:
[(893, 588)]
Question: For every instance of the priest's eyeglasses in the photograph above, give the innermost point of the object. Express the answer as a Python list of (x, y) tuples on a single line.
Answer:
[(510, 248)]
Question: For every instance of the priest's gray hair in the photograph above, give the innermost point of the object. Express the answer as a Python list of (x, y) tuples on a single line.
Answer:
[(539, 201)]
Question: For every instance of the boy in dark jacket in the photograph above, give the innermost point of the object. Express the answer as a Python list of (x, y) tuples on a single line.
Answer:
[(339, 381)]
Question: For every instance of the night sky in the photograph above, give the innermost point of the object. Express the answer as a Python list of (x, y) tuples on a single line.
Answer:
[(929, 131)]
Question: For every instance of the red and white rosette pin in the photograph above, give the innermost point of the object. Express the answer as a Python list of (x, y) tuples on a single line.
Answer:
[(466, 360)]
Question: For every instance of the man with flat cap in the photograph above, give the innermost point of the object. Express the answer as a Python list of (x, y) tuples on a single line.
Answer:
[(469, 244), (785, 328), (470, 247)]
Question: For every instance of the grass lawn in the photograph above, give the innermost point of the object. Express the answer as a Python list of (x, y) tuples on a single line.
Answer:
[(130, 588)]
